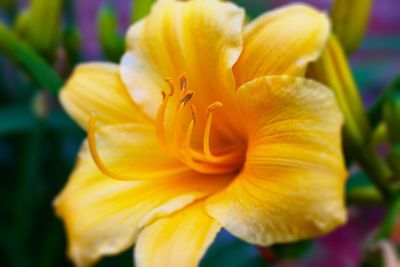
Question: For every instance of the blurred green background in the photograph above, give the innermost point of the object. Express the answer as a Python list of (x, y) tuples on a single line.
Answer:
[(41, 42)]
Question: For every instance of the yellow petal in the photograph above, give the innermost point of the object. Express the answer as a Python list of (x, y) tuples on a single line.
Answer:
[(134, 152), (103, 216), (202, 38), (291, 186), (178, 240), (98, 87), (281, 42)]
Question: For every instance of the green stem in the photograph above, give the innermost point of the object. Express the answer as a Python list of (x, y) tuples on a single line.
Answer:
[(390, 219), (377, 169)]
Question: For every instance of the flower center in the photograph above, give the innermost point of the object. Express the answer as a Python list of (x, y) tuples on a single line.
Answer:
[(179, 140)]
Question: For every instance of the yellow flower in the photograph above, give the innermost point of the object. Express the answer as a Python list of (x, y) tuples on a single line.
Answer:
[(205, 124)]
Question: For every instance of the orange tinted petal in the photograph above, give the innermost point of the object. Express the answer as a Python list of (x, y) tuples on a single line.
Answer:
[(292, 184)]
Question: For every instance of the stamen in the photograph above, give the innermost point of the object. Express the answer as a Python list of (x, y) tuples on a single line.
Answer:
[(161, 113), (202, 167), (171, 86), (183, 83), (194, 113), (95, 154), (177, 131), (186, 98), (206, 140), (180, 141)]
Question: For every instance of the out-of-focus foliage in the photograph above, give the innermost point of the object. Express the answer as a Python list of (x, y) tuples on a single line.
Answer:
[(24, 55)]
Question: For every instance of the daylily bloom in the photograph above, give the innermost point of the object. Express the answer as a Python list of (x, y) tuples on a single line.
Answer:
[(206, 123)]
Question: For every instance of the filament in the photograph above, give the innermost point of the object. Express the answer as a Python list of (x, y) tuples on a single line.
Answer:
[(161, 113), (95, 154), (202, 167), (206, 140), (179, 143)]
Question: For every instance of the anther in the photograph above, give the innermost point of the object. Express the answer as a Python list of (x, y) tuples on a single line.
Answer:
[(186, 98), (183, 82)]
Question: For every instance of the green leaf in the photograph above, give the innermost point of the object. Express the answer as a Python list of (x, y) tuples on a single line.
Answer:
[(12, 46)]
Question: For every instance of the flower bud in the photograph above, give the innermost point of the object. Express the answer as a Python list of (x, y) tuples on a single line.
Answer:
[(140, 9), (332, 69), (44, 29), (107, 27), (350, 20)]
